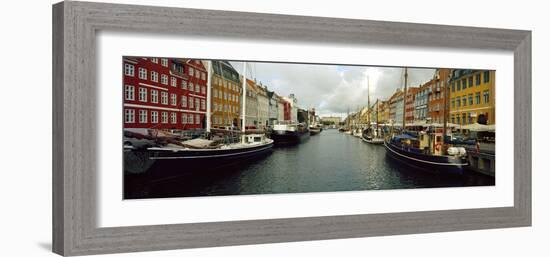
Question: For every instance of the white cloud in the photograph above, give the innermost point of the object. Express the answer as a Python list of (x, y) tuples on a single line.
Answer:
[(333, 89)]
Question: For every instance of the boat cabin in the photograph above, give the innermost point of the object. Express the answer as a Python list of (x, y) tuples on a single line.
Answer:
[(253, 138), (431, 142)]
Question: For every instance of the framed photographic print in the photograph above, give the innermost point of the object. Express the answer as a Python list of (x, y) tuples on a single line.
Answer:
[(182, 128)]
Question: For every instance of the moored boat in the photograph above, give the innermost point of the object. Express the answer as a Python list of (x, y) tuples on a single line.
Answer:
[(285, 133), (409, 150), (372, 136), (314, 130), (192, 155)]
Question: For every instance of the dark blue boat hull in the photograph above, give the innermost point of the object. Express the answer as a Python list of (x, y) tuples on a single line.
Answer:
[(431, 163), (289, 137), (168, 163)]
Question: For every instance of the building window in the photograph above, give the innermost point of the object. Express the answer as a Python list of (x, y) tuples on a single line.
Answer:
[(142, 94), (453, 103), (197, 74), (129, 93), (197, 103), (478, 79), (464, 101), (191, 86), (453, 87), (197, 88), (142, 73), (173, 118), (142, 116), (164, 62), (164, 117), (191, 71), (215, 92), (190, 120), (203, 76), (203, 104), (129, 115), (154, 96), (154, 76), (486, 96), (183, 101), (464, 118), (464, 85), (154, 117), (183, 84), (173, 99), (191, 103), (197, 119), (471, 81), (478, 98), (470, 99), (203, 90), (164, 97), (183, 118), (486, 77), (174, 82), (458, 102), (128, 69), (155, 60), (164, 79)]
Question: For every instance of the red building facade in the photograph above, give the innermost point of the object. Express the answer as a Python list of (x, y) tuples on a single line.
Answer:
[(163, 93), (436, 100), (287, 110)]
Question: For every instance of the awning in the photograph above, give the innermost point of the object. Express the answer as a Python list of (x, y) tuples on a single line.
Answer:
[(479, 127)]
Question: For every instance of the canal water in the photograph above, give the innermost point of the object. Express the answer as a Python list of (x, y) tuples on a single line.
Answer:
[(330, 161)]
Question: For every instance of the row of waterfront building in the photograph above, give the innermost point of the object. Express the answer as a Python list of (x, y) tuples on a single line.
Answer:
[(471, 100), (170, 93)]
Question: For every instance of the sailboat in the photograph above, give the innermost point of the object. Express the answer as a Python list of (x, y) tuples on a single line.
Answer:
[(347, 128), (373, 135), (370, 134), (143, 153), (356, 130), (427, 150)]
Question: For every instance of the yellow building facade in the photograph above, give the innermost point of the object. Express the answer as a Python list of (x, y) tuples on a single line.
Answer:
[(226, 95), (472, 97)]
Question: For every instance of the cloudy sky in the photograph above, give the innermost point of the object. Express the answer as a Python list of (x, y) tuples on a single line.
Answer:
[(332, 89)]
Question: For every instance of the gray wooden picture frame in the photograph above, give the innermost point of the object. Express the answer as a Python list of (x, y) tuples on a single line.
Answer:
[(75, 25)]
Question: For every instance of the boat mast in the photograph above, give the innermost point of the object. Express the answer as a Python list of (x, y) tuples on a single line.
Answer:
[(368, 102), (243, 121), (405, 99), (348, 118), (445, 109), (209, 97), (377, 103)]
